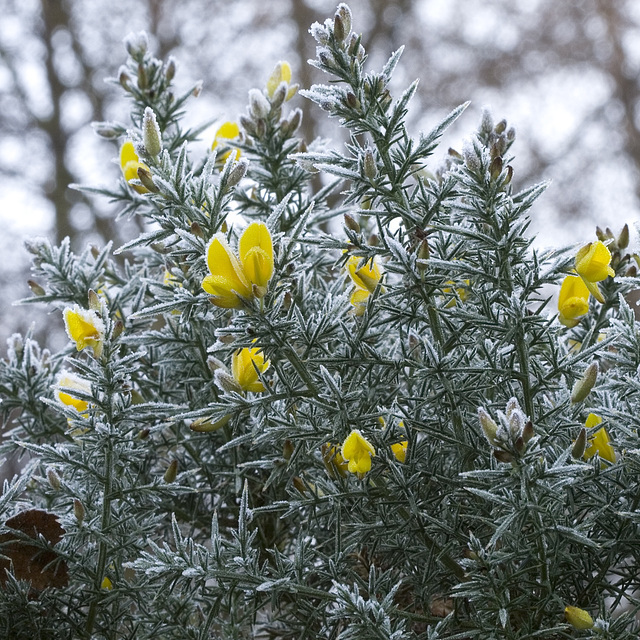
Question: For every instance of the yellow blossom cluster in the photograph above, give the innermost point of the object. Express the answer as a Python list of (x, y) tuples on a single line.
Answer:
[(592, 265), (233, 279)]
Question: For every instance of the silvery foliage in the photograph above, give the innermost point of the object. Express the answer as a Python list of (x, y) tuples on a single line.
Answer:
[(213, 513)]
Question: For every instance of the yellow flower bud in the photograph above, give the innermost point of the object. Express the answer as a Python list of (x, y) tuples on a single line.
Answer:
[(85, 328), (358, 451), (578, 618), (400, 450), (281, 73), (573, 301), (129, 163), (246, 364)]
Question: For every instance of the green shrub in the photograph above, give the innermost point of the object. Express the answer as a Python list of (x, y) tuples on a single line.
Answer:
[(268, 424)]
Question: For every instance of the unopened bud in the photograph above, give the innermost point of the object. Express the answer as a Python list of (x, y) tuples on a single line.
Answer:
[(196, 229), (423, 254), (279, 95), (204, 425), (338, 29), (528, 432), (197, 89), (137, 44), (351, 223), (143, 80), (36, 288), (144, 175), (261, 129), (500, 127), (143, 434), (107, 130), (118, 328), (489, 427), (54, 479), (344, 13), (170, 69), (601, 235), (124, 78), (582, 388), (632, 271), (171, 473), (471, 158), (287, 449), (299, 484), (495, 168), (373, 240), (151, 133), (623, 238), (226, 381), (486, 122), (369, 164), (351, 100), (520, 445), (579, 445), (290, 126), (78, 510), (94, 301), (509, 175), (248, 125), (259, 106), (502, 456), (578, 618), (237, 172), (258, 291)]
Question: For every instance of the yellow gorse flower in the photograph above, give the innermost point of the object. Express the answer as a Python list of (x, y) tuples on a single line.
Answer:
[(366, 276), (226, 133), (578, 618), (281, 73), (256, 254), (106, 584), (85, 328), (246, 364), (357, 450), (129, 163), (599, 443), (573, 301), (593, 265), (69, 380), (400, 450), (231, 279)]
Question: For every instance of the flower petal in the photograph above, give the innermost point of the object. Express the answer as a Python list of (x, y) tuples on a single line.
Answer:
[(256, 253), (228, 276)]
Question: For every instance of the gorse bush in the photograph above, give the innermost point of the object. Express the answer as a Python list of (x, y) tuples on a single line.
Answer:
[(325, 393)]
